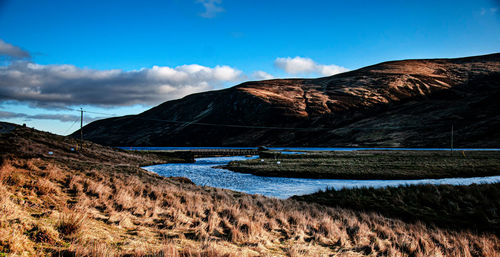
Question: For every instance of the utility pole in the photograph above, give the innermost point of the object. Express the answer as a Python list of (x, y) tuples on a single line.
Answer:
[(451, 138), (81, 129)]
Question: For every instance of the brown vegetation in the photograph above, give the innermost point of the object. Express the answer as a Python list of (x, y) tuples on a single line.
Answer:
[(104, 208)]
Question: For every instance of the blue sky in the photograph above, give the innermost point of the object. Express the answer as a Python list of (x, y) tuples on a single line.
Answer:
[(122, 57)]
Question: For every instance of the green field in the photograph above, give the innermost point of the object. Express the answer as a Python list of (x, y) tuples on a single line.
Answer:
[(372, 164)]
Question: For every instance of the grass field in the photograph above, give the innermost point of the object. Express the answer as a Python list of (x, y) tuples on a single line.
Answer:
[(373, 164), (98, 202)]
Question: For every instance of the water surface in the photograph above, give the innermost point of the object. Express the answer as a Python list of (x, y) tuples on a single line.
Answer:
[(202, 173)]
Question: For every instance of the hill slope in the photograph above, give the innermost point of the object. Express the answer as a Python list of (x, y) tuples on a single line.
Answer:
[(98, 202), (410, 103)]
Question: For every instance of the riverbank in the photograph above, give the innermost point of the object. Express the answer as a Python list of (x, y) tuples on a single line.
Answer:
[(97, 202), (372, 164)]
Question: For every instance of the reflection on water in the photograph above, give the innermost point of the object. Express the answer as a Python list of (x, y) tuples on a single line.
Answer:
[(202, 173)]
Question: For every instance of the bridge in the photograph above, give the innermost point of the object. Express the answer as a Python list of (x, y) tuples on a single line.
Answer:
[(190, 155), (222, 152)]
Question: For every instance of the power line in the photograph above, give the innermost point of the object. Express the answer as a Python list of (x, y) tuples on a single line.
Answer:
[(187, 123), (280, 128), (100, 113), (246, 126), (71, 126)]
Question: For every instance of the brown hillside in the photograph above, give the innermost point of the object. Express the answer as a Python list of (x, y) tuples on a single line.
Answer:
[(409, 103)]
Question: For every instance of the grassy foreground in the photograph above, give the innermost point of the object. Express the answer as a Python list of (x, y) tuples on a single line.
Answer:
[(373, 164), (98, 202)]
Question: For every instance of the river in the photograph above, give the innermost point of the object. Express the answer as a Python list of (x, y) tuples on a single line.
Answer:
[(202, 173)]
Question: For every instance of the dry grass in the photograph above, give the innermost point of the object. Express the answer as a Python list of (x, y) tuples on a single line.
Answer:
[(131, 212), (133, 216), (70, 224)]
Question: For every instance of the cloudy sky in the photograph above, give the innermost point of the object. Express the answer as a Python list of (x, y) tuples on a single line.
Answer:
[(123, 57)]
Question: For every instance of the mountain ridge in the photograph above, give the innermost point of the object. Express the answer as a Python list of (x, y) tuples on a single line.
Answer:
[(407, 103)]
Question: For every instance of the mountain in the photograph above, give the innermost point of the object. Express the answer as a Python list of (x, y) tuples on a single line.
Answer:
[(409, 103)]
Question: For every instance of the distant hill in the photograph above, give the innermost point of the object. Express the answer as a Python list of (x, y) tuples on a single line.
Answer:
[(409, 103)]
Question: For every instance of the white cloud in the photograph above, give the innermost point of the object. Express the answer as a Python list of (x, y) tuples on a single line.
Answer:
[(212, 8), (328, 70), (295, 65), (301, 65), (226, 73), (262, 75), (12, 51), (66, 85)]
